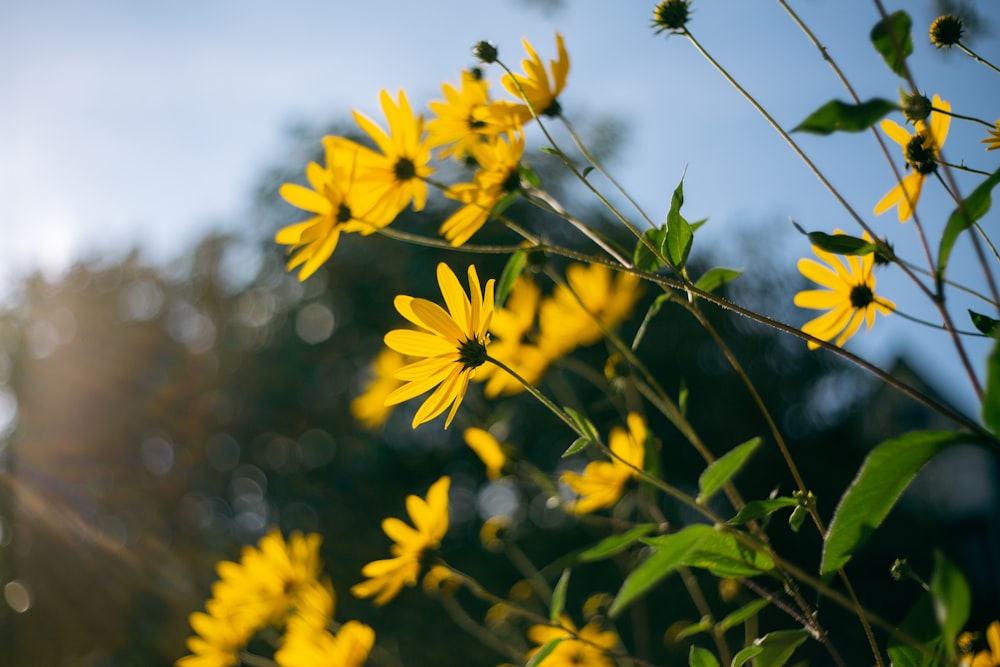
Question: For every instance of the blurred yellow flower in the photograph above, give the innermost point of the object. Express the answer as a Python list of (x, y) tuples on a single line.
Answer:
[(849, 296), (921, 151), (466, 118), (497, 177), (217, 641), (488, 449), (387, 577), (305, 646), (603, 482), (993, 140), (985, 658), (538, 90), (450, 345), (369, 408), (591, 649)]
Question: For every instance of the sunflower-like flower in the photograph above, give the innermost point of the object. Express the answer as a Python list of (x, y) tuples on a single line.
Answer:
[(396, 176), (603, 482), (590, 647), (849, 296), (369, 408), (217, 640), (339, 202), (993, 140), (922, 151), (534, 86), (387, 577), (497, 177), (306, 646), (466, 118), (488, 449), (450, 344), (989, 656)]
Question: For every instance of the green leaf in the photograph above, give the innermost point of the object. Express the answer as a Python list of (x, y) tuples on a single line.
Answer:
[(703, 625), (614, 544), (758, 509), (746, 654), (991, 397), (797, 516), (777, 647), (722, 469), (642, 257), (700, 657), (973, 207), (985, 324), (559, 597), (920, 624), (839, 116), (671, 552), (586, 171), (952, 599), (883, 477), (545, 652), (725, 556), (749, 610), (587, 429), (511, 270), (891, 37), (841, 244), (679, 238), (529, 175), (578, 445), (716, 277)]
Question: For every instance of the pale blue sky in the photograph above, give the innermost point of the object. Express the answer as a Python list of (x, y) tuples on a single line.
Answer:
[(129, 123)]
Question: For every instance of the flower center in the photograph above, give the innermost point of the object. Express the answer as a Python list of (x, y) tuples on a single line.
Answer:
[(472, 353), (920, 157), (404, 169), (553, 110), (343, 213), (861, 296), (512, 182)]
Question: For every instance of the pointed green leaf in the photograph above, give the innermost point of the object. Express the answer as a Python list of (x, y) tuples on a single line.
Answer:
[(952, 599), (841, 244), (716, 277), (839, 116), (614, 544), (545, 652), (700, 657), (559, 597), (511, 270), (680, 236), (745, 655), (758, 509), (529, 175), (578, 445), (719, 552), (777, 647), (745, 612), (920, 624), (891, 37), (586, 171), (991, 397), (642, 257), (671, 552), (703, 625), (587, 429), (884, 475), (722, 469), (973, 207), (985, 324)]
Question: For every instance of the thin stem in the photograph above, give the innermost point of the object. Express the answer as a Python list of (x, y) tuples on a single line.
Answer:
[(545, 400), (962, 167), (969, 52), (954, 285), (462, 619), (694, 590), (958, 115), (933, 325)]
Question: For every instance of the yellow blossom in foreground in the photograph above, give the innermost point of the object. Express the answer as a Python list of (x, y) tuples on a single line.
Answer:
[(603, 482), (538, 90), (305, 646), (387, 577), (369, 408), (589, 650), (217, 641), (985, 658), (487, 449), (849, 296), (921, 151), (993, 140), (450, 344), (466, 118)]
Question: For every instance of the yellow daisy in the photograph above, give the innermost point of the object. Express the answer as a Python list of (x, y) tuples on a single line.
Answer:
[(991, 657), (993, 140), (538, 90), (369, 408), (603, 482), (466, 118), (589, 647), (451, 344), (387, 577), (397, 175), (849, 295), (217, 641), (488, 449), (497, 177), (339, 204), (921, 151)]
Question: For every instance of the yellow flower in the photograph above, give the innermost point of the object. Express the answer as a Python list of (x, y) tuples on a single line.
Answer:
[(849, 295), (588, 648), (538, 91), (921, 151), (339, 204), (397, 175), (466, 118), (993, 140), (387, 577), (217, 641), (450, 345), (497, 177), (991, 657), (305, 646), (603, 482), (487, 449), (369, 408)]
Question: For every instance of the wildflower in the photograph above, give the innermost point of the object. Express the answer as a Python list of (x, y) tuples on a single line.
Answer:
[(466, 118), (369, 408), (849, 295), (587, 648), (387, 577), (487, 449), (985, 658), (451, 344), (439, 580), (671, 15), (603, 482), (305, 646), (497, 177), (915, 107), (339, 204), (993, 140), (922, 151), (946, 31), (534, 86), (217, 641), (485, 52), (397, 175)]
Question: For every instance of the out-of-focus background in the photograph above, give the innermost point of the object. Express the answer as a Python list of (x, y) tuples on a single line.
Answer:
[(167, 391)]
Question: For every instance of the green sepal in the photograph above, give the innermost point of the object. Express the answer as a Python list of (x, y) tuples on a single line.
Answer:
[(839, 116), (891, 37)]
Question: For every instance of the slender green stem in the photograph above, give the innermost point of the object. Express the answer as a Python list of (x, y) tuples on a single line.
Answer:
[(461, 618), (958, 115), (969, 52), (954, 285), (962, 167), (933, 325), (545, 400)]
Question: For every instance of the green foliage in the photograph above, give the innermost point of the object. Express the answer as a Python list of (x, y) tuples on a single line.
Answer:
[(985, 324), (837, 116), (511, 271), (722, 469), (973, 207), (758, 509), (615, 544), (544, 652), (841, 244), (680, 236), (891, 37), (952, 600), (883, 477), (642, 257), (716, 277), (743, 614), (559, 597), (700, 657), (991, 397), (773, 649)]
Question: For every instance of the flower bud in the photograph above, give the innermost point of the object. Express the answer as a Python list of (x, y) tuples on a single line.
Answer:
[(915, 107), (946, 31), (486, 52), (671, 15)]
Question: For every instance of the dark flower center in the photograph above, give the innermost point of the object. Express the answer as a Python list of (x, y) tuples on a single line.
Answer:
[(553, 110), (404, 169), (475, 124), (512, 182), (861, 296), (920, 157), (472, 353), (343, 213)]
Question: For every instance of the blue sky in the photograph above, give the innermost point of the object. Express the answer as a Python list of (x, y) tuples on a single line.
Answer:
[(146, 124)]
